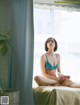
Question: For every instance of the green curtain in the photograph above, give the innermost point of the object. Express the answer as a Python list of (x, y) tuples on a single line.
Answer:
[(22, 52)]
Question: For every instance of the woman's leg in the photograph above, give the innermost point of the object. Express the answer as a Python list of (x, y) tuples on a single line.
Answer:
[(43, 81), (67, 83), (70, 83), (75, 85)]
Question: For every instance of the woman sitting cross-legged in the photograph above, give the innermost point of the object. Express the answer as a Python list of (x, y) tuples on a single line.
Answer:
[(50, 63)]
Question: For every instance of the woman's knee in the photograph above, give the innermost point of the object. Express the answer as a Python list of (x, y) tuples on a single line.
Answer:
[(36, 78), (41, 81)]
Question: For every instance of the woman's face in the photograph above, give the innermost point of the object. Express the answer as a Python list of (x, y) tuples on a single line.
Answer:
[(51, 44)]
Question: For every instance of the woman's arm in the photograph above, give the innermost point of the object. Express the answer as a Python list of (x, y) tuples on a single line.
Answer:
[(59, 71), (42, 64)]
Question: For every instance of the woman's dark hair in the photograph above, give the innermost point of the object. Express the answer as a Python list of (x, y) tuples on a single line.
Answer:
[(56, 46)]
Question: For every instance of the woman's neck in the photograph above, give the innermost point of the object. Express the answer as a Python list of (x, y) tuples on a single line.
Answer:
[(50, 52)]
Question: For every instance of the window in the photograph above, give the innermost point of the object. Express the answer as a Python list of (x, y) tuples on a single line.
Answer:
[(63, 25)]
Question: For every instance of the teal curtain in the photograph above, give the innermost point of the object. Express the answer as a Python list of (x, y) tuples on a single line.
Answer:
[(22, 51)]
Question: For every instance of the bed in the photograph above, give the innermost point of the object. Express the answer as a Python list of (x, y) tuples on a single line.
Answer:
[(56, 95)]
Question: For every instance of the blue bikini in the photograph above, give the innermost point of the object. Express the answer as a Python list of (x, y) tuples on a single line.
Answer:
[(49, 66)]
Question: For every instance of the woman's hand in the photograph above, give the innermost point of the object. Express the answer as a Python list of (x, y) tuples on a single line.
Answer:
[(63, 78), (66, 76), (60, 79)]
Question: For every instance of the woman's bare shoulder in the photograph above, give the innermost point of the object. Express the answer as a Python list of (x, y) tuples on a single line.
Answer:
[(58, 55), (43, 56)]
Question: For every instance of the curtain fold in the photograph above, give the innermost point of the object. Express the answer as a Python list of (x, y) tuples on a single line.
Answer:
[(23, 48)]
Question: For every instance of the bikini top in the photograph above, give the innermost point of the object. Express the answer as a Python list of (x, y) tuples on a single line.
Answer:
[(49, 66)]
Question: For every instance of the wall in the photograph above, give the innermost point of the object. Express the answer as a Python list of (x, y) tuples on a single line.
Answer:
[(4, 27)]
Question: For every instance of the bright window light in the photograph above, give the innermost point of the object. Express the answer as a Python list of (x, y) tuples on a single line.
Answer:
[(64, 26)]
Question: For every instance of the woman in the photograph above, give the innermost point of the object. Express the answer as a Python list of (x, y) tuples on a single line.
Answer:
[(50, 64)]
